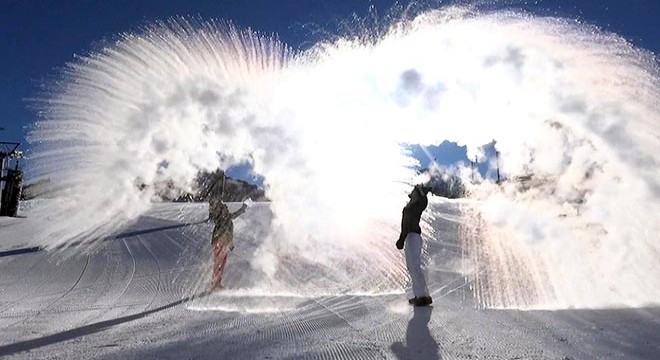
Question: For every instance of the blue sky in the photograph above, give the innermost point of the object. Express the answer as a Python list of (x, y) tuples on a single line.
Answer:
[(39, 36)]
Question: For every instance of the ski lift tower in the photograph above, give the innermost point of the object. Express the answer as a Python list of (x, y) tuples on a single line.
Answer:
[(10, 179)]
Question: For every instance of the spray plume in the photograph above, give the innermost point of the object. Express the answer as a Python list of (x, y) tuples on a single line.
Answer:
[(574, 107)]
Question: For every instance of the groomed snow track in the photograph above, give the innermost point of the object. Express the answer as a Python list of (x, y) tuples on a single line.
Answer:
[(130, 296)]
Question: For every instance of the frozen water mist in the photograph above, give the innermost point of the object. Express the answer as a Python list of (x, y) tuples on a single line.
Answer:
[(572, 106)]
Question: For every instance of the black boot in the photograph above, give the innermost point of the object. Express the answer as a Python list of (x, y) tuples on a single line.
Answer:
[(423, 301)]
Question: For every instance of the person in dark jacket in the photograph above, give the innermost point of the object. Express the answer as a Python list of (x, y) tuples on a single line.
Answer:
[(222, 240), (411, 239)]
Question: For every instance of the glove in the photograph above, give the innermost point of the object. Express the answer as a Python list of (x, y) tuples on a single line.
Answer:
[(399, 244), (231, 247)]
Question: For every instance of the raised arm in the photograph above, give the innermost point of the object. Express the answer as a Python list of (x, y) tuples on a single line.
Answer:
[(238, 212)]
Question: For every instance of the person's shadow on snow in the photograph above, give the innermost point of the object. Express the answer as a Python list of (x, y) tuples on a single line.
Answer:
[(420, 344)]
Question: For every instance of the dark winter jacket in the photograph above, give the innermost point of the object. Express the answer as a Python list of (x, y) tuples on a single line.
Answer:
[(412, 213), (223, 230)]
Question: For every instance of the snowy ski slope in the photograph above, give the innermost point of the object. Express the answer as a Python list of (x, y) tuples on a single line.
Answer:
[(140, 295)]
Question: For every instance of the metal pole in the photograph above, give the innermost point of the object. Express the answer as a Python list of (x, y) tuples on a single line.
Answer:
[(3, 165), (2, 174), (497, 156), (222, 190)]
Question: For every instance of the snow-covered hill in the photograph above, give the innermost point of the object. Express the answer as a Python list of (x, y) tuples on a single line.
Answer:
[(141, 295)]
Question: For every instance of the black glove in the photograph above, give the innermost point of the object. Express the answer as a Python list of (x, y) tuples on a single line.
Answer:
[(399, 244)]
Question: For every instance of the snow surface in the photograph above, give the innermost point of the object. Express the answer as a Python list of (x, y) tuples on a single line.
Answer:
[(140, 295)]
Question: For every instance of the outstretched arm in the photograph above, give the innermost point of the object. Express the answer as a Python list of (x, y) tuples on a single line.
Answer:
[(238, 212)]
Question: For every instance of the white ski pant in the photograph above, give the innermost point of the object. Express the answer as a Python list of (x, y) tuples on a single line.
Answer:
[(413, 250)]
